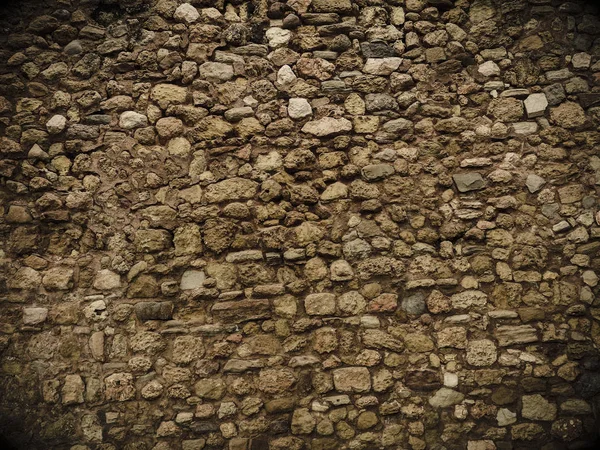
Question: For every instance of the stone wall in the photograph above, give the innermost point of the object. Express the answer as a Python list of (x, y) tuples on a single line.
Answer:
[(323, 224)]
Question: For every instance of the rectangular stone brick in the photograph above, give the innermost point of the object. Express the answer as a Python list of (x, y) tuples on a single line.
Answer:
[(242, 311), (154, 310)]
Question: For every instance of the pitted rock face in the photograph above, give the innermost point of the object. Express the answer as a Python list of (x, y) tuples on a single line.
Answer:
[(301, 224)]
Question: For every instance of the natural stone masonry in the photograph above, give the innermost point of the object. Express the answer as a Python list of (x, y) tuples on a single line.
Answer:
[(301, 224)]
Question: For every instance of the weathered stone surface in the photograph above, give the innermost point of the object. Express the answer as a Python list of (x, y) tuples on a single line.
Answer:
[(468, 299), (276, 381), (535, 105), (56, 124), (72, 390), (302, 421), (192, 279), (352, 379), (186, 13), (287, 225), (481, 353), (166, 94), (34, 316), (131, 119), (335, 191), (241, 311), (210, 388), (351, 303), (58, 279), (568, 115), (327, 126), (489, 69), (510, 335), (375, 172), (107, 280), (154, 310), (119, 387), (466, 182), (536, 407), (299, 108), (445, 397), (231, 190), (319, 304), (534, 183), (414, 304), (325, 6), (381, 339), (381, 66), (216, 72)]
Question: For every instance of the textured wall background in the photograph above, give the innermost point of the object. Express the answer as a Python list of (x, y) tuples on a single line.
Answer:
[(323, 224)]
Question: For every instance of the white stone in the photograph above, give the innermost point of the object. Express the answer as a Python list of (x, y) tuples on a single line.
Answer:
[(107, 280), (192, 279), (36, 152), (505, 417), (131, 119), (285, 76), (456, 32), (335, 191), (269, 162), (211, 14), (489, 69), (536, 105), (278, 37), (56, 124), (179, 146), (536, 407), (186, 13), (34, 316), (524, 128), (468, 299), (299, 108), (445, 397), (590, 278), (581, 61), (96, 311), (216, 71), (382, 66), (320, 304), (534, 183), (481, 445), (341, 270), (397, 16), (327, 126), (450, 379)]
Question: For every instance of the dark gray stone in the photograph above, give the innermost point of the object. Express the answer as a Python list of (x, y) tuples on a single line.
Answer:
[(470, 181), (376, 50), (415, 304), (241, 311), (154, 310), (555, 94)]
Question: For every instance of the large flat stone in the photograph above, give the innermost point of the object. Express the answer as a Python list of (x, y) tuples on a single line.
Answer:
[(154, 310), (535, 105), (231, 190), (512, 335), (445, 397), (467, 182), (352, 379), (327, 126), (242, 310)]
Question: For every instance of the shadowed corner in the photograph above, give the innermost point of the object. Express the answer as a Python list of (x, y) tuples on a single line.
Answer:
[(5, 444)]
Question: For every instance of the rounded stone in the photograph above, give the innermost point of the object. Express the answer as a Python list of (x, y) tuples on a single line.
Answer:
[(56, 124), (481, 353)]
